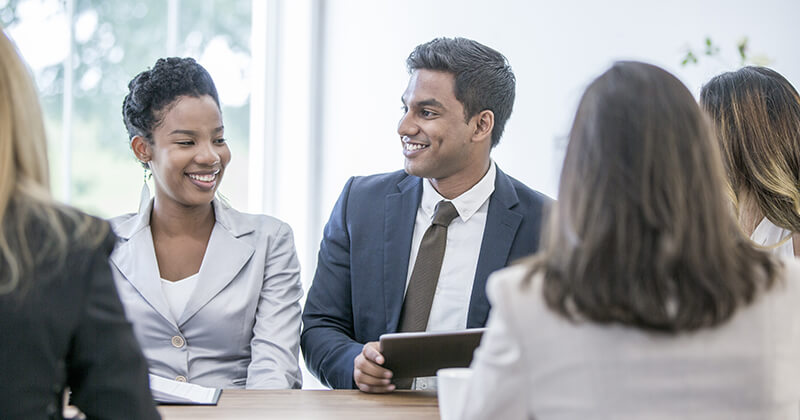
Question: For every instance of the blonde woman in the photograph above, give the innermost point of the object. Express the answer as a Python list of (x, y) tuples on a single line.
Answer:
[(61, 321), (757, 116)]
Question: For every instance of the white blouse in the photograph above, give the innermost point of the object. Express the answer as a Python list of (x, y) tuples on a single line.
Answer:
[(178, 292), (777, 239)]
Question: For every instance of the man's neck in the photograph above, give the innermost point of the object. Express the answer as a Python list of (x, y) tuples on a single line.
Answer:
[(453, 186)]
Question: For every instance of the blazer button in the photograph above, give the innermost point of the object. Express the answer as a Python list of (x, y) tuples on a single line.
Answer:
[(180, 378), (178, 341)]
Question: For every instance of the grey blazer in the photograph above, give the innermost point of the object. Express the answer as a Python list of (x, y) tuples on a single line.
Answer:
[(241, 326)]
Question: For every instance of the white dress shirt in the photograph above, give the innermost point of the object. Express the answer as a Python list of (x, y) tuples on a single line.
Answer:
[(464, 237)]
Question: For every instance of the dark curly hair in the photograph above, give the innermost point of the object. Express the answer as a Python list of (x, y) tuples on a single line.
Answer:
[(483, 77), (154, 91)]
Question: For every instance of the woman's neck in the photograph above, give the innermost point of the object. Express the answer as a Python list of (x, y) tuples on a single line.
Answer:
[(172, 219), (750, 215)]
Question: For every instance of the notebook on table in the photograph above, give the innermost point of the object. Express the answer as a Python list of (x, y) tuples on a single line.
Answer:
[(167, 391)]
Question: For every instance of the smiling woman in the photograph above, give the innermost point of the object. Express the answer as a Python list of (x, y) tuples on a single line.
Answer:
[(213, 294)]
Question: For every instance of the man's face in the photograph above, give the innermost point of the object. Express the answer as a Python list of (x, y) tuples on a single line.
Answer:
[(436, 139)]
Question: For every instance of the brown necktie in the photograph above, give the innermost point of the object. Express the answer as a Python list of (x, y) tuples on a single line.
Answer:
[(422, 286)]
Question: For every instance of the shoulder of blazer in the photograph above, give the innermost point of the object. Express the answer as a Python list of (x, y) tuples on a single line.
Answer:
[(237, 223), (127, 225), (511, 191), (240, 224), (381, 184)]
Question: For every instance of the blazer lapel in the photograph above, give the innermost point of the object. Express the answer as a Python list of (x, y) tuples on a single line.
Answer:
[(225, 256), (401, 212), (136, 260), (502, 224)]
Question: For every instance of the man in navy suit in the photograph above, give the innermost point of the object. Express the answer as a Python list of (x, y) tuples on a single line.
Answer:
[(459, 97)]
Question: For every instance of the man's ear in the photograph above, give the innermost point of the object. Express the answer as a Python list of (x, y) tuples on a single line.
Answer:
[(484, 123), (141, 148)]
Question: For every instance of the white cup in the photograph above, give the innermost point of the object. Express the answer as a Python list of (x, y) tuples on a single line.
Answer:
[(451, 389)]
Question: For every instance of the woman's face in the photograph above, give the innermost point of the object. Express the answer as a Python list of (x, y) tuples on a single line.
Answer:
[(189, 154)]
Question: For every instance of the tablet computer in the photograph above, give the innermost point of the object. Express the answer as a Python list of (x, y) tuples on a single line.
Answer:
[(411, 355)]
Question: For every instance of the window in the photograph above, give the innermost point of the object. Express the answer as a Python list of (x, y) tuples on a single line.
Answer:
[(84, 52)]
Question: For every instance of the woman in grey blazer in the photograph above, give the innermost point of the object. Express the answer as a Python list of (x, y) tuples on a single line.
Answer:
[(646, 301), (213, 294)]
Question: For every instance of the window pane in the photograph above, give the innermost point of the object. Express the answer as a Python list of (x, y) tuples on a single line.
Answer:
[(113, 42), (217, 34), (38, 28)]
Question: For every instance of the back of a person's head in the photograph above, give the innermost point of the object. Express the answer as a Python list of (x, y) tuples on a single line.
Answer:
[(25, 200), (642, 234), (756, 112)]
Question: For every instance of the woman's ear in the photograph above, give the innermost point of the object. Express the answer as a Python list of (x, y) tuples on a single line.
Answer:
[(483, 126), (141, 148)]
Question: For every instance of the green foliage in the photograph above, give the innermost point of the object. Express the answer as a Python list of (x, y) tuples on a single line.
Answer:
[(714, 51)]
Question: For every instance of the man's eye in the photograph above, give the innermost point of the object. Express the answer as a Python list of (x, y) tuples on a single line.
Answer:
[(220, 141), (426, 113)]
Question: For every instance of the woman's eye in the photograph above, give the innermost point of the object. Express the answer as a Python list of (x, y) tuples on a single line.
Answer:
[(185, 142), (220, 141)]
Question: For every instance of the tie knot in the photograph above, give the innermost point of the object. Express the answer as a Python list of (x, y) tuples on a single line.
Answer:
[(444, 213)]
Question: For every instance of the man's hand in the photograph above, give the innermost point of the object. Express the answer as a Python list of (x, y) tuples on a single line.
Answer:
[(368, 373)]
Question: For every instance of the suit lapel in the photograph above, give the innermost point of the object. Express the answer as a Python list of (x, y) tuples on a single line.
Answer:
[(401, 213), (225, 256), (136, 260), (502, 224)]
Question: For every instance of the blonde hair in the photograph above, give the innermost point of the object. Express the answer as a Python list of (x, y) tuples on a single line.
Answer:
[(24, 177), (757, 116)]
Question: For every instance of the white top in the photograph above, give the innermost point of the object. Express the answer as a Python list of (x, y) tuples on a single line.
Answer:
[(178, 292), (464, 237), (534, 363), (768, 235)]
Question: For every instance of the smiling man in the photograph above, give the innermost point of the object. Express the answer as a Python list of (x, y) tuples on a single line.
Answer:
[(411, 250)]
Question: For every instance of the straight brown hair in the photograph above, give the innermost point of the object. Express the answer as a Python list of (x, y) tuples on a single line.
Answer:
[(642, 233)]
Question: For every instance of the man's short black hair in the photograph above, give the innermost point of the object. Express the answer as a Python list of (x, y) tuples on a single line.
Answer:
[(483, 77)]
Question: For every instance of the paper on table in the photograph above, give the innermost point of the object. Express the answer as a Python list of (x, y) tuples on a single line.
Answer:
[(167, 391)]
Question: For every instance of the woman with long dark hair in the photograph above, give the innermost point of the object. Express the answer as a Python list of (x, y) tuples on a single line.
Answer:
[(646, 301)]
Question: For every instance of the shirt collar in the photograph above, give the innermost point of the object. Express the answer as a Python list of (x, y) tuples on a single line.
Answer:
[(467, 203)]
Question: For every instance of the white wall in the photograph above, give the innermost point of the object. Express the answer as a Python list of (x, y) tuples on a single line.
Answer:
[(555, 49)]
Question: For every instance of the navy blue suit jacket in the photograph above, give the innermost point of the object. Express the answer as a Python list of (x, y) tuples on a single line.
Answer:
[(359, 285)]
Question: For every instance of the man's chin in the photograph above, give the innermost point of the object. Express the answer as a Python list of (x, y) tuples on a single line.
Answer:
[(416, 170)]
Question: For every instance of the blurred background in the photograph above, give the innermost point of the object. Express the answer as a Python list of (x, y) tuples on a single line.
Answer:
[(311, 89)]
